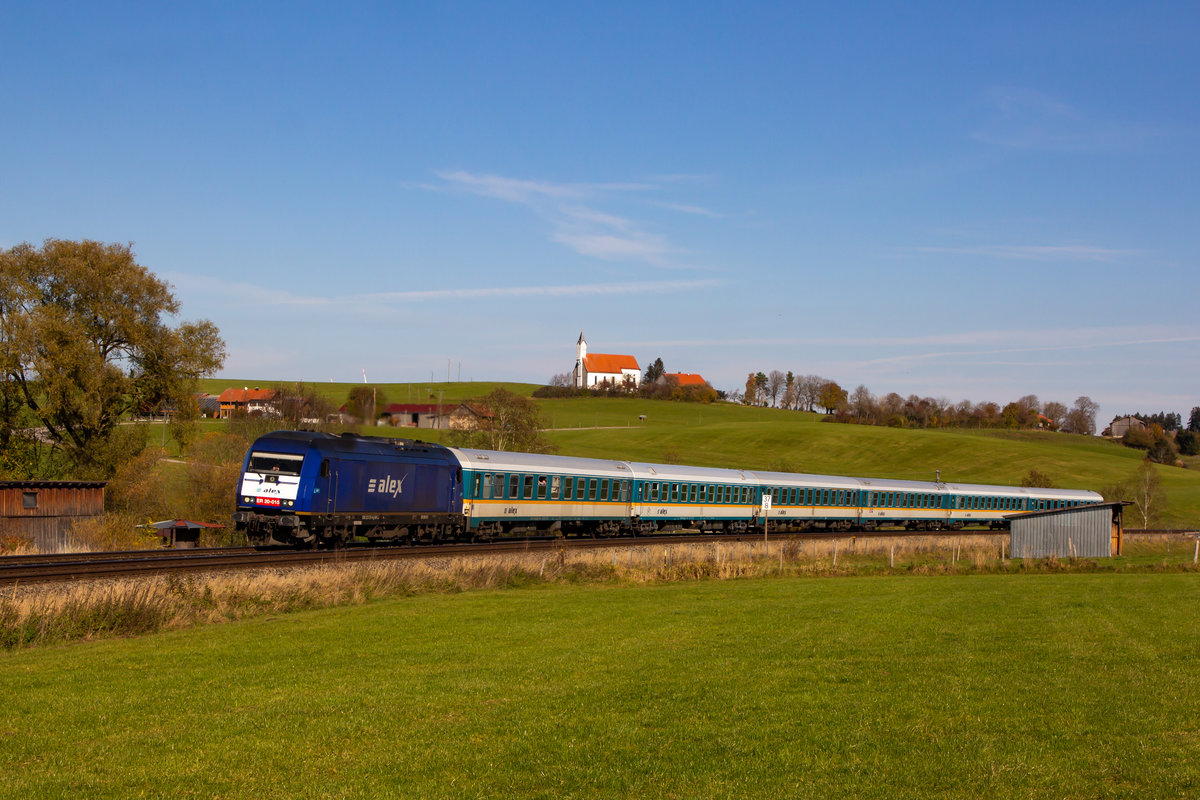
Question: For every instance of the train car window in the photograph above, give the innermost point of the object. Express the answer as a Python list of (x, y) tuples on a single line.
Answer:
[(555, 487), (674, 492), (591, 489), (568, 488), (541, 486), (325, 468), (692, 494), (604, 489), (514, 486), (485, 489), (624, 491), (498, 486), (527, 488), (478, 485)]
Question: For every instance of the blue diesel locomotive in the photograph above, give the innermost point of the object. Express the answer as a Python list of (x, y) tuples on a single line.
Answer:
[(302, 488)]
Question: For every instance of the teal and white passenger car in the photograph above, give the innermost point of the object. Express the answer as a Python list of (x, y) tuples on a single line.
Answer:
[(507, 492)]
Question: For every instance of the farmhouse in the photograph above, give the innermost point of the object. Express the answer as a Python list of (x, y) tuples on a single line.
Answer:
[(250, 402), (682, 379), (598, 369)]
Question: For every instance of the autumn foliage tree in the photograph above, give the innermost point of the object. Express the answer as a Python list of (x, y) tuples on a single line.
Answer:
[(84, 345), (515, 424)]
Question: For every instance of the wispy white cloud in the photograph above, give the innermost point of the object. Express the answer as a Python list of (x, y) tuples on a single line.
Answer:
[(261, 296), (1066, 252), (685, 208), (969, 343), (577, 215), (1028, 119), (578, 290)]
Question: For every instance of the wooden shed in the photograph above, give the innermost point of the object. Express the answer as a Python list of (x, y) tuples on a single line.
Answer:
[(44, 511)]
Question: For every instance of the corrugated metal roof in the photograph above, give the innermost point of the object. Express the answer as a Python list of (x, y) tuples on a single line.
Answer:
[(53, 484)]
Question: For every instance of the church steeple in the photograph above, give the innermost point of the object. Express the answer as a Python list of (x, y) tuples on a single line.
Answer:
[(580, 355)]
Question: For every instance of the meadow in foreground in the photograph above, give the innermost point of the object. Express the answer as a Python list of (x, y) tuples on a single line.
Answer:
[(982, 685)]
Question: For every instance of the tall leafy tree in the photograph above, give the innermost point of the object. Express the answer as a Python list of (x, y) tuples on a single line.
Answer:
[(85, 343), (1082, 416), (1194, 420), (516, 424)]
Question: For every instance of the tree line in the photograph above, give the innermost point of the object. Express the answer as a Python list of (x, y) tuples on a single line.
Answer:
[(778, 389)]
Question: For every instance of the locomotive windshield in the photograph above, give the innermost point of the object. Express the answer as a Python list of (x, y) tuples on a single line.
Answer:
[(275, 463)]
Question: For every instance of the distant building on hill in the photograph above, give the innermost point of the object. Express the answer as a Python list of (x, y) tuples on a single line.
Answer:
[(598, 369), (251, 402), (682, 379), (1124, 425)]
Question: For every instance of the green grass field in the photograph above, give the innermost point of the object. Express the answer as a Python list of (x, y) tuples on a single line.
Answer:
[(727, 435), (977, 686)]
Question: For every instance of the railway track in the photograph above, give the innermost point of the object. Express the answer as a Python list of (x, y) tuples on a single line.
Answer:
[(66, 567)]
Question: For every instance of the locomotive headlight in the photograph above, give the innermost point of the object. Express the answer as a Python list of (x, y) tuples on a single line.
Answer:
[(287, 503)]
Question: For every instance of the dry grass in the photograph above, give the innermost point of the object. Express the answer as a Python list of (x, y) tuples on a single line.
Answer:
[(37, 615)]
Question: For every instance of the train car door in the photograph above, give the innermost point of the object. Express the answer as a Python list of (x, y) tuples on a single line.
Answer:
[(328, 483)]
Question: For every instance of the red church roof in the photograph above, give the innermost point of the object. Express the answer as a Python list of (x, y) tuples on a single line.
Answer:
[(607, 362)]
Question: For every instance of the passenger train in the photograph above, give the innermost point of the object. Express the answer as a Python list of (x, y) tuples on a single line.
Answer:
[(303, 488)]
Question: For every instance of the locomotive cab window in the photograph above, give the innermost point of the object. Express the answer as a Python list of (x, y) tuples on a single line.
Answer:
[(277, 463), (325, 468)]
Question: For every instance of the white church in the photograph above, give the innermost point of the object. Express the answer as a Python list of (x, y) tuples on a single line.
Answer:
[(598, 369)]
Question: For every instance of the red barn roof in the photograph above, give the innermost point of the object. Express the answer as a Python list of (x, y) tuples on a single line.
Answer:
[(247, 395), (686, 378)]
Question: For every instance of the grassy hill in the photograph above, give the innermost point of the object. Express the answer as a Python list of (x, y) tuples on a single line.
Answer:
[(727, 435)]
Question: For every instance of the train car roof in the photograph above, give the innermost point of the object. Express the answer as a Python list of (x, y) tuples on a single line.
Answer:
[(802, 479), (503, 461), (680, 472), (1026, 491)]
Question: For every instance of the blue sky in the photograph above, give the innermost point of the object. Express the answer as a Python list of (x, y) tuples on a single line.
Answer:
[(942, 200)]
